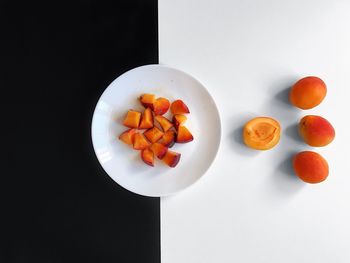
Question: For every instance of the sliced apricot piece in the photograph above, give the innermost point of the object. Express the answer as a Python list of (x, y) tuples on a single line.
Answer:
[(178, 120), (147, 119), (132, 119), (310, 167), (261, 133), (161, 106), (179, 107), (140, 142), (128, 136), (147, 156), (171, 158), (154, 134), (183, 135), (168, 138), (159, 150), (147, 100), (164, 122), (308, 92)]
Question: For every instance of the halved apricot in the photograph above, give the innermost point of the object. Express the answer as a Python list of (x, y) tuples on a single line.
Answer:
[(261, 133)]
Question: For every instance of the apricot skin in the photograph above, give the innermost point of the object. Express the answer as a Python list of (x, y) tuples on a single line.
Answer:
[(316, 131), (308, 92), (261, 133), (310, 167)]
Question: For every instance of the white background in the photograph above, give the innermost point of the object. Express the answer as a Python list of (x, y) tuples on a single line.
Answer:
[(249, 207)]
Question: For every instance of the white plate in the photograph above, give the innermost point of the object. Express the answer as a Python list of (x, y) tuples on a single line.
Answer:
[(122, 163)]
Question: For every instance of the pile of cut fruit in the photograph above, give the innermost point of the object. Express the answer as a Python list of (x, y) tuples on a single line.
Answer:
[(161, 133)]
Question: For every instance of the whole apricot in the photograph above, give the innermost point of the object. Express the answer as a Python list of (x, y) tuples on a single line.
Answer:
[(308, 92), (316, 131), (310, 167), (261, 133)]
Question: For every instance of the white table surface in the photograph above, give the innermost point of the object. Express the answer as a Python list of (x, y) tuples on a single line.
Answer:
[(249, 207)]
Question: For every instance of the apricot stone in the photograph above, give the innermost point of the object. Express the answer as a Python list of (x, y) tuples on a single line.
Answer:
[(261, 133), (310, 167), (316, 131), (308, 92)]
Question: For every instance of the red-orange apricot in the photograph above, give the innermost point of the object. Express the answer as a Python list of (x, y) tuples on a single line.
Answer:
[(308, 92), (316, 131), (310, 167)]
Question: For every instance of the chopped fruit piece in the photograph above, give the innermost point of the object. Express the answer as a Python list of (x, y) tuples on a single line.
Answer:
[(147, 119), (179, 107), (183, 135), (308, 92), (154, 134), (147, 156), (159, 149), (261, 133), (161, 106), (179, 119), (128, 136), (168, 139), (132, 119), (316, 131), (140, 142), (147, 100), (171, 158), (310, 167), (164, 122)]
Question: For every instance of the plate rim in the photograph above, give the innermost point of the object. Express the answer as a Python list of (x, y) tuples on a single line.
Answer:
[(219, 128)]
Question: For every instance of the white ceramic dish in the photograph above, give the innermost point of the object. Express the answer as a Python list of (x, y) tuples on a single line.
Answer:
[(122, 163)]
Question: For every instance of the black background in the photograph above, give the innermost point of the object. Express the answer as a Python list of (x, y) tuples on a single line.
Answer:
[(57, 203)]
